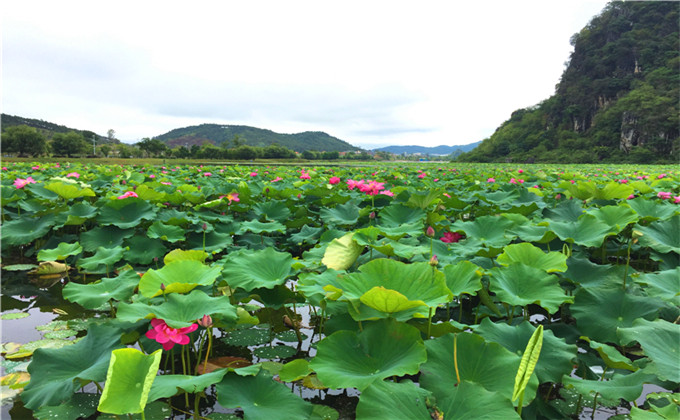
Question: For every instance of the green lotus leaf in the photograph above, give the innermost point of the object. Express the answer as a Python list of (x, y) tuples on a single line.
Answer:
[(54, 371), (159, 230), (588, 274), (9, 194), (260, 397), (214, 242), (248, 337), (26, 230), (388, 300), (384, 348), (611, 355), (94, 295), (14, 315), (180, 310), (616, 217), (342, 214), (556, 355), (588, 190), (396, 215), (522, 285), (664, 285), (662, 236), (565, 211), (651, 210), (489, 230), (142, 250), (587, 231), (397, 232), (126, 213), (26, 350), (62, 251), (342, 252), (527, 254), (272, 210), (659, 340), (177, 277), (165, 386), (600, 311), (464, 277), (255, 226), (102, 261), (128, 381), (535, 233), (294, 370), (104, 236), (144, 192), (398, 401), (180, 255), (422, 199), (307, 234), (19, 267), (627, 387), (69, 191), (470, 400), (81, 405), (274, 352), (416, 282), (79, 213), (264, 268), (483, 363)]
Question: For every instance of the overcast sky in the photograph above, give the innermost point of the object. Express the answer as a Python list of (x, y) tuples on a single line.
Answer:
[(372, 73)]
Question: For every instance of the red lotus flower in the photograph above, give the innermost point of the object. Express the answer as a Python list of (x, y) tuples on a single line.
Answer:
[(167, 336), (334, 180), (128, 194), (450, 237)]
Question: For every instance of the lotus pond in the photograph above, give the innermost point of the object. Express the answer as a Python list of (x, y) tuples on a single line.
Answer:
[(412, 292)]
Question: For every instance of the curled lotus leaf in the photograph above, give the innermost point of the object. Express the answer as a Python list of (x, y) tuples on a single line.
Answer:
[(178, 277)]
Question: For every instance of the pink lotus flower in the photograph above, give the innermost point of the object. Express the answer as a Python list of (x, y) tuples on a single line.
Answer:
[(253, 174), (519, 171), (450, 237), (277, 179), (630, 197), (231, 197), (152, 176), (490, 180), (21, 183), (352, 184), (305, 175), (664, 195), (387, 193), (334, 180), (167, 336), (446, 195), (73, 175), (166, 183), (423, 175), (207, 174), (372, 188), (676, 199), (661, 176), (128, 194), (512, 181), (36, 167)]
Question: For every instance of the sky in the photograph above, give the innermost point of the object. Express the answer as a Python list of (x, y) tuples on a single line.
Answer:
[(373, 73)]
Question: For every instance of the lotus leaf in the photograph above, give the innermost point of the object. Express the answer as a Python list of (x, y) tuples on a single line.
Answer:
[(260, 397), (662, 236), (62, 251), (627, 387), (616, 217), (521, 285), (600, 311), (470, 400), (128, 381), (26, 230), (527, 254), (651, 210), (489, 230), (142, 250), (264, 268), (341, 253), (179, 255), (212, 242), (54, 371), (463, 277), (94, 295), (126, 213), (180, 310), (659, 340), (483, 363), (165, 386), (587, 231), (255, 226), (384, 348), (170, 233), (396, 215), (102, 261), (416, 282), (81, 405), (664, 285), (177, 277), (398, 401), (556, 357), (294, 370), (69, 191), (342, 214), (611, 356), (104, 236)]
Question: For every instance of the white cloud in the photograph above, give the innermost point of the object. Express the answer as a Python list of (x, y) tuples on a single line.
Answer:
[(367, 72)]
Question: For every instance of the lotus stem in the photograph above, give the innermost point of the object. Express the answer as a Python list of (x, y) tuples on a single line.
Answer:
[(455, 358), (625, 272), (184, 371), (592, 415), (429, 324), (197, 398), (207, 352)]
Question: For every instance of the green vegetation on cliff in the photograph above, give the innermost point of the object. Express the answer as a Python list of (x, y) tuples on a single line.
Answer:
[(617, 100)]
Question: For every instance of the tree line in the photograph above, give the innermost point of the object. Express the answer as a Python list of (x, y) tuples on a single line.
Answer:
[(25, 141)]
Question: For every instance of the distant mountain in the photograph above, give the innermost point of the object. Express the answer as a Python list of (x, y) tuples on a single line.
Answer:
[(617, 100), (432, 151), (218, 134), (50, 129)]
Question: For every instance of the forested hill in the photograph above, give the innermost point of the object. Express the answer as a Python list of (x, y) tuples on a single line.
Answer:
[(617, 99), (235, 135), (49, 129), (424, 150)]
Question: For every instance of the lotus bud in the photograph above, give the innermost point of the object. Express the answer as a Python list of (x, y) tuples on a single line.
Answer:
[(205, 322), (205, 226), (434, 261), (371, 215), (163, 287), (430, 231)]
